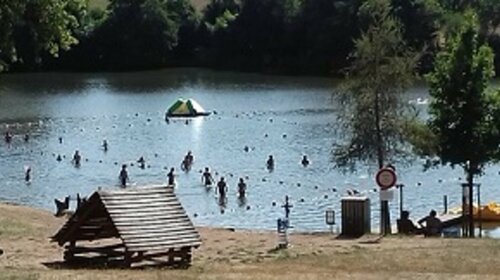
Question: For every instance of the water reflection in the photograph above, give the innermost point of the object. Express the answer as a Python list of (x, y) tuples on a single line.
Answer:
[(257, 116)]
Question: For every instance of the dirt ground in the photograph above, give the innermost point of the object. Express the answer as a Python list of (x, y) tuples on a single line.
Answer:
[(226, 254)]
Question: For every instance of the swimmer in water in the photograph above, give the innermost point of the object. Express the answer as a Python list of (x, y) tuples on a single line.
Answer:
[(305, 161), (207, 178)]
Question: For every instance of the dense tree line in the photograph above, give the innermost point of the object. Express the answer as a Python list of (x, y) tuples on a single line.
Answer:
[(277, 36)]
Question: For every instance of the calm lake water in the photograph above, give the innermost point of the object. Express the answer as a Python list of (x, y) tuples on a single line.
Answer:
[(283, 116)]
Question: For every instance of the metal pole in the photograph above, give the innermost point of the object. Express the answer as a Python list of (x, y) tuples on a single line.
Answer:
[(445, 202), (465, 232), (401, 200), (479, 210)]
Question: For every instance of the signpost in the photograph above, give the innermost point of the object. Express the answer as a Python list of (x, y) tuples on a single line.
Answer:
[(386, 179)]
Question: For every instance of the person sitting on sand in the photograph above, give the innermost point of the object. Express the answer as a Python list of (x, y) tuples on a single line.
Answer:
[(433, 225), (207, 178), (406, 226), (123, 176)]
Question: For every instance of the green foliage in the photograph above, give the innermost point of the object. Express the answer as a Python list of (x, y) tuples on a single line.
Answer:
[(372, 115), (464, 113), (29, 27), (142, 33)]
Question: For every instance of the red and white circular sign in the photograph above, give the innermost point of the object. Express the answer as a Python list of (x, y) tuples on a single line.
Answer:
[(386, 178)]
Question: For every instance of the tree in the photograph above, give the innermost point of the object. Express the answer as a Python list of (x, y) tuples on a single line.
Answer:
[(324, 32), (30, 27), (372, 114), (137, 34), (464, 114)]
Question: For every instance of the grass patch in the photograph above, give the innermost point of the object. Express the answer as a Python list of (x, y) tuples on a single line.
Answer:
[(10, 275), (11, 227)]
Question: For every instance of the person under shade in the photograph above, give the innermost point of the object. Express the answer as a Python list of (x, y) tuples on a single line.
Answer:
[(433, 225), (406, 226)]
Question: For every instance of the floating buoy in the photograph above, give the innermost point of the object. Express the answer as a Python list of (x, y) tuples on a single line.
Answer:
[(325, 196), (281, 182), (301, 200), (419, 184), (298, 184), (334, 190), (248, 207), (273, 203), (315, 187), (195, 215)]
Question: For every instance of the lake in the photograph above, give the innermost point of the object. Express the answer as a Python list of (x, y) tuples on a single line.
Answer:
[(286, 117)]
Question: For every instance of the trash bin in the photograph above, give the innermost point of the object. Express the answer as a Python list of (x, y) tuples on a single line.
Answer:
[(356, 218)]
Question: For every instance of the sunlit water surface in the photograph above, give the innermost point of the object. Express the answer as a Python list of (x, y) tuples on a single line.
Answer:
[(283, 116)]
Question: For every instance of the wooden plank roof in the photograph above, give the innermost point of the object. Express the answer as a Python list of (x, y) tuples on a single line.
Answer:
[(146, 219)]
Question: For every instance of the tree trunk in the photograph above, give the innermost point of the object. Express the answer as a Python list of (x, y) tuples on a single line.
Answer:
[(385, 218)]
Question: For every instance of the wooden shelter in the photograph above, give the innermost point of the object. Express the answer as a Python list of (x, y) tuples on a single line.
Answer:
[(123, 227)]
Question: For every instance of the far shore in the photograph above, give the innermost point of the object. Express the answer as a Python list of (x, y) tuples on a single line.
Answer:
[(246, 254)]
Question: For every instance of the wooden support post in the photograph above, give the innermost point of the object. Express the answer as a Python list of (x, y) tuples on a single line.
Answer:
[(128, 258), (171, 256)]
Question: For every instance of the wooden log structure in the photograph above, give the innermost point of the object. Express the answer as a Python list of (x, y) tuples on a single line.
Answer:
[(145, 224)]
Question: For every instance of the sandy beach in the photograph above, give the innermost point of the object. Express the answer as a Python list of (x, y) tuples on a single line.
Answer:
[(227, 254)]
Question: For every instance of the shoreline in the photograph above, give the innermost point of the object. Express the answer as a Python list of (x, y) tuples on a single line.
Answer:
[(244, 254)]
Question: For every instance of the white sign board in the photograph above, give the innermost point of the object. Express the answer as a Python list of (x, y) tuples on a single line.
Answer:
[(386, 195)]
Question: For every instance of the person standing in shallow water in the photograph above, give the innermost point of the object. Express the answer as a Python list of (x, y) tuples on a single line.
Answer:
[(242, 187), (27, 174), (123, 176), (171, 177), (270, 163), (77, 158), (222, 187), (207, 178), (105, 145), (305, 161)]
